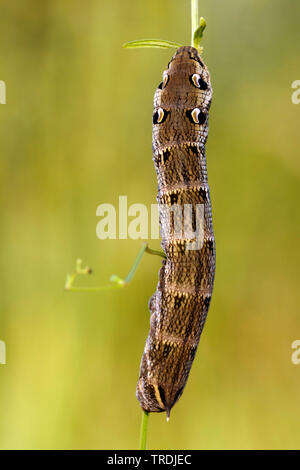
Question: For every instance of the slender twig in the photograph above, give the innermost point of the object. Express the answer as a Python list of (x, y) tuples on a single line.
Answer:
[(116, 281), (155, 252), (144, 429), (151, 43), (144, 249), (195, 16), (198, 26)]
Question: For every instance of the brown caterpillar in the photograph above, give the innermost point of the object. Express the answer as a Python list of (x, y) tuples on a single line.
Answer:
[(180, 304)]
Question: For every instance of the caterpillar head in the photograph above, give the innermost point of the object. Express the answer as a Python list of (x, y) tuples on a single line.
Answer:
[(185, 84), (163, 374), (157, 398)]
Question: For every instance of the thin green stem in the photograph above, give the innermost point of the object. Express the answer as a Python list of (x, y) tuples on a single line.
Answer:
[(155, 252), (198, 26), (151, 43), (195, 16), (93, 289), (136, 263), (117, 282), (144, 429)]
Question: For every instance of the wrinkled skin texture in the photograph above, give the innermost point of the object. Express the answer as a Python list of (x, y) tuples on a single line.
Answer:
[(180, 304)]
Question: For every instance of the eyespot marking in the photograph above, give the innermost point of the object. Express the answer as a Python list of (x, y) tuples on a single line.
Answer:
[(196, 116), (198, 82), (159, 116), (165, 79)]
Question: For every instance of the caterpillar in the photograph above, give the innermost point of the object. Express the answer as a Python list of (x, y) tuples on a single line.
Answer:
[(179, 307)]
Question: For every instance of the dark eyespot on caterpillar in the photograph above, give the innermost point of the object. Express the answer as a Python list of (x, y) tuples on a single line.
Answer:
[(160, 116), (163, 84), (180, 304), (165, 79), (198, 82), (196, 116)]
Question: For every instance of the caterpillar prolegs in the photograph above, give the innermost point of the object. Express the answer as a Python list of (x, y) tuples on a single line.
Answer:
[(180, 304)]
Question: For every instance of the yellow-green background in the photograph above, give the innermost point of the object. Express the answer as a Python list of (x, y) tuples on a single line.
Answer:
[(75, 133)]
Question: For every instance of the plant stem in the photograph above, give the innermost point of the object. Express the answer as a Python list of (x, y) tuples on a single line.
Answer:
[(144, 429), (151, 43), (117, 282), (195, 17), (155, 252)]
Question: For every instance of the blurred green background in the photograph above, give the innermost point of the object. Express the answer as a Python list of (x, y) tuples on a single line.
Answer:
[(75, 133)]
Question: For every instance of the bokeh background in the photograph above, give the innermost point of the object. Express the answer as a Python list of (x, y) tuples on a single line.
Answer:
[(75, 133)]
